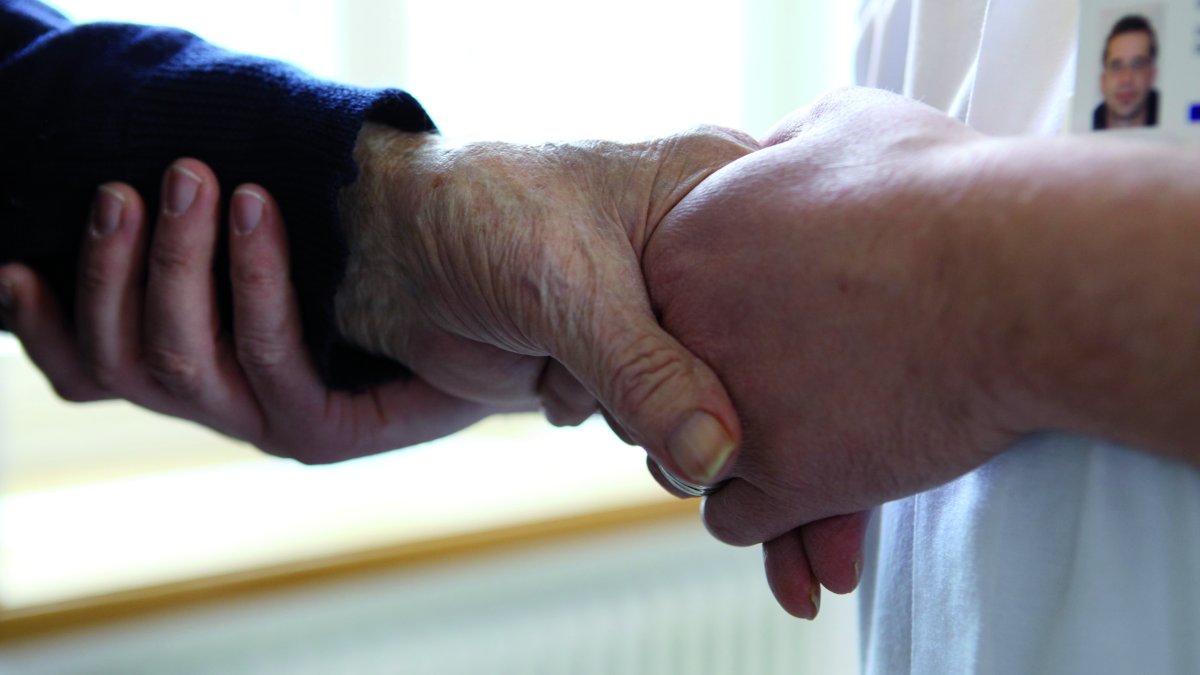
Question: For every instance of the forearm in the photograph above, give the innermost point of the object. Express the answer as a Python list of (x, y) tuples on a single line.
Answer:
[(1081, 278)]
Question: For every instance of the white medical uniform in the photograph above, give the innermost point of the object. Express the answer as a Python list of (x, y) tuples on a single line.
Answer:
[(1065, 554)]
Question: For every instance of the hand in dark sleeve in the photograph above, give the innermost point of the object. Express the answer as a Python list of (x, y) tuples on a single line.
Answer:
[(83, 105), (160, 344)]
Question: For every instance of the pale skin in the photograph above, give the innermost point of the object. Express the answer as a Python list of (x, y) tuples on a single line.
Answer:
[(923, 296), (1128, 77)]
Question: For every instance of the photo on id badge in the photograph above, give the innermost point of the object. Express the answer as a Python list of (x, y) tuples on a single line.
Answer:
[(1123, 43), (1133, 65)]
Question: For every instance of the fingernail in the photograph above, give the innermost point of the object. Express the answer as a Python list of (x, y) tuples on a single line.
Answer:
[(248, 208), (182, 186), (815, 596), (7, 296), (700, 447), (107, 210), (857, 570)]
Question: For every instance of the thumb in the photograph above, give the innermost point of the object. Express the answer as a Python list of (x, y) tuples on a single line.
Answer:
[(668, 400)]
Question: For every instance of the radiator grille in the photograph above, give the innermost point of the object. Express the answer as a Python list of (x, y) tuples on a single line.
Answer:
[(663, 600)]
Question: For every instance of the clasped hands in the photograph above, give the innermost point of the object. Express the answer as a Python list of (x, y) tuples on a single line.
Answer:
[(773, 317)]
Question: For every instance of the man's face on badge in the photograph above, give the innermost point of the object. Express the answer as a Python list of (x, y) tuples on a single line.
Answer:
[(1129, 74)]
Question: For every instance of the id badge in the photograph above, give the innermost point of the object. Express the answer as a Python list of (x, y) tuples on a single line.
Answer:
[(1138, 69)]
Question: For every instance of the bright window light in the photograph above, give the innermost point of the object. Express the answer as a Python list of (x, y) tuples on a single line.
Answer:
[(545, 69)]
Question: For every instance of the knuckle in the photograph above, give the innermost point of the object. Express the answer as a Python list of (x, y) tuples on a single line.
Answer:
[(839, 100), (106, 376), (716, 144), (306, 443), (73, 392), (99, 274), (829, 105), (309, 454), (176, 372), (261, 352), (723, 137), (254, 278), (271, 446), (647, 367), (169, 259)]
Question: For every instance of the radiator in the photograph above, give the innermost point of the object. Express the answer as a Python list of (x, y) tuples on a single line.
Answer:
[(663, 599)]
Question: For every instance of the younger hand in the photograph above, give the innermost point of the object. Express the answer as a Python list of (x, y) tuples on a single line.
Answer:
[(160, 344), (810, 275)]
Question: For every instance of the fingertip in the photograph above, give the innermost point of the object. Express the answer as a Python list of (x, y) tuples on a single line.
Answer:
[(134, 207), (188, 182), (31, 313), (702, 447), (108, 206), (834, 547), (250, 207), (790, 577), (246, 209), (193, 168), (565, 401), (11, 276), (256, 191), (259, 252), (117, 215), (619, 430), (23, 286), (734, 514)]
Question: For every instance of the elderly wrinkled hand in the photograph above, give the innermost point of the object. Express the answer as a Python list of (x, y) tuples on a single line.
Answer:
[(507, 273)]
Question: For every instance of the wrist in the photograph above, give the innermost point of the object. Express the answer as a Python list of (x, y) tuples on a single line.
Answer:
[(977, 252), (426, 214), (1074, 266), (374, 212)]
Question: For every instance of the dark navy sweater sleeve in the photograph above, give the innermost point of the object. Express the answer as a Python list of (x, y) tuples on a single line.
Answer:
[(82, 105)]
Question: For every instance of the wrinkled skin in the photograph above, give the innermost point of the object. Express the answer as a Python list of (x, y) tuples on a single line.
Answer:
[(507, 273)]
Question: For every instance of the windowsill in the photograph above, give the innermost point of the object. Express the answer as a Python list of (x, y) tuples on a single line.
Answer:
[(106, 510), (96, 539)]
